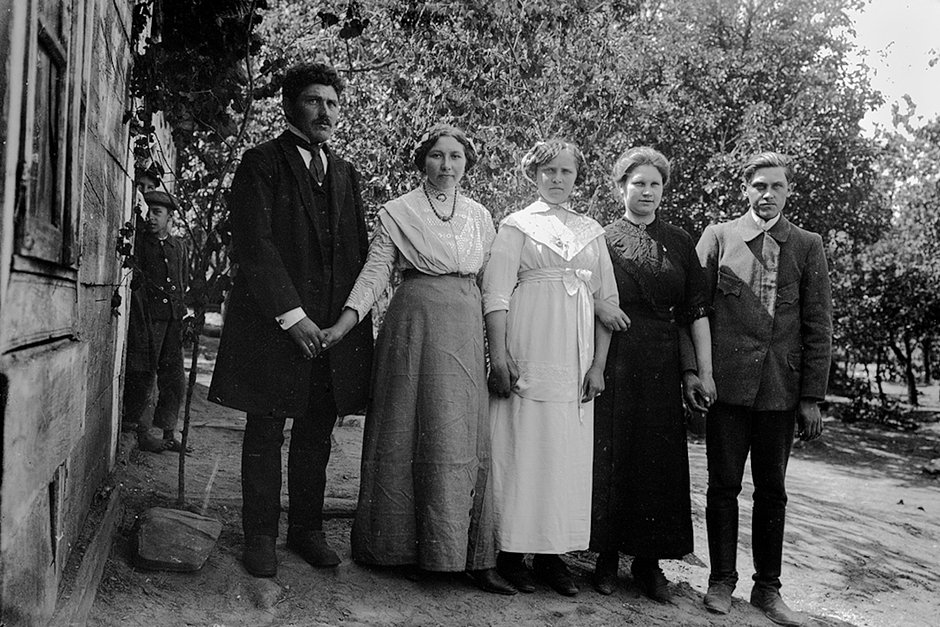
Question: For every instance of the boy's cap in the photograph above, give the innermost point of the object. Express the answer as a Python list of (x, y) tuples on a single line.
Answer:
[(161, 199)]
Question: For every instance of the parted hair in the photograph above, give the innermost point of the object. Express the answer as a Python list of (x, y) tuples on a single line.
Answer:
[(543, 152), (635, 157), (427, 140), (767, 160), (300, 76)]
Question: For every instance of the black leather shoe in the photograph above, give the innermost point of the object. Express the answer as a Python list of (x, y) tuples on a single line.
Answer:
[(489, 580), (553, 571), (512, 567), (149, 443), (718, 598), (312, 546), (520, 577), (651, 581), (259, 557), (767, 599), (605, 572)]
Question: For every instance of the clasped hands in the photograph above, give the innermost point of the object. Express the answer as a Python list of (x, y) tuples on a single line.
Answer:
[(312, 340), (699, 390)]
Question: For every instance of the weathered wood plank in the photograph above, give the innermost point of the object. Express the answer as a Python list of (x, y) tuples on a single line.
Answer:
[(37, 308), (75, 602), (45, 414)]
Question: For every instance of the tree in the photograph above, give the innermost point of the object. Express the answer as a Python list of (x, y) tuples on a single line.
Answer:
[(887, 293), (706, 82), (197, 69)]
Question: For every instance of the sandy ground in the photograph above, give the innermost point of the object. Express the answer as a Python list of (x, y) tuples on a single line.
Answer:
[(863, 547)]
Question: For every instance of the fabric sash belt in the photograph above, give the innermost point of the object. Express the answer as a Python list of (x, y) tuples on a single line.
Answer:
[(577, 283), (412, 273)]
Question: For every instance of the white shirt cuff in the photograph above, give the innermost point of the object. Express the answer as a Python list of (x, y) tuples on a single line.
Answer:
[(288, 319)]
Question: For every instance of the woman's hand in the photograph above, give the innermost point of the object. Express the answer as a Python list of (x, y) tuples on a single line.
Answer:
[(343, 325), (698, 391), (503, 377), (611, 316), (593, 384)]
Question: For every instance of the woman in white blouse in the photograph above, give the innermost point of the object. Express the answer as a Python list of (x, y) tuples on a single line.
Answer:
[(425, 461)]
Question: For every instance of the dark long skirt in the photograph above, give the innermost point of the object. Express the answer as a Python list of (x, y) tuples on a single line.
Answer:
[(425, 457), (641, 502)]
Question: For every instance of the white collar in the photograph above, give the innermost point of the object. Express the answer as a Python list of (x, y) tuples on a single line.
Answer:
[(765, 225)]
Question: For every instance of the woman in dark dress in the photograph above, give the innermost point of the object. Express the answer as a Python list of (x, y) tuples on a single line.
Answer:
[(641, 502)]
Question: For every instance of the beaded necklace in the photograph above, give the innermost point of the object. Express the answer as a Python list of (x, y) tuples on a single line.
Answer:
[(442, 197)]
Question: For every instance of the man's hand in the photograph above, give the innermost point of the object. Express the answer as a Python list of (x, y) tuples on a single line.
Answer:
[(593, 384), (503, 377), (308, 337), (611, 316), (699, 392), (809, 421)]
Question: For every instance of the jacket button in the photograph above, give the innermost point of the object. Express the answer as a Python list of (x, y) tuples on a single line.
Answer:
[(164, 300)]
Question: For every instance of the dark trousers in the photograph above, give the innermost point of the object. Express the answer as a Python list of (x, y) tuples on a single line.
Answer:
[(731, 432), (308, 456), (170, 378)]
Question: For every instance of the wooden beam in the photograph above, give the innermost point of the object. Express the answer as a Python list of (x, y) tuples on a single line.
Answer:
[(80, 584)]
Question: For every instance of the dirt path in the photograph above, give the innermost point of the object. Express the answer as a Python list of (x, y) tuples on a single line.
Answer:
[(863, 548)]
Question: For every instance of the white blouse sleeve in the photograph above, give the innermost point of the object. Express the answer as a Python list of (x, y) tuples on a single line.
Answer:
[(375, 274), (502, 270), (606, 287)]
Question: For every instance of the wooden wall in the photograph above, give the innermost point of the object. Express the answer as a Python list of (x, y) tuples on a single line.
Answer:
[(61, 349)]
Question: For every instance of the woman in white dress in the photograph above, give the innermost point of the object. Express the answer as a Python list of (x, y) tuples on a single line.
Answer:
[(423, 500), (547, 358)]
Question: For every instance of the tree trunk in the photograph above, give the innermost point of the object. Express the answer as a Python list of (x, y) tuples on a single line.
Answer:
[(927, 348), (879, 380), (906, 360)]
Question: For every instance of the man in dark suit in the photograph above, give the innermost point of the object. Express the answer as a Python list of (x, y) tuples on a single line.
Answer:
[(299, 240), (771, 337)]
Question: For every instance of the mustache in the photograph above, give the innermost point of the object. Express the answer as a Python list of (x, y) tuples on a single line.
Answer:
[(323, 121)]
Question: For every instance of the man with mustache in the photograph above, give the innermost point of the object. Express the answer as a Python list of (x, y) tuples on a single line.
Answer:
[(771, 338), (299, 240)]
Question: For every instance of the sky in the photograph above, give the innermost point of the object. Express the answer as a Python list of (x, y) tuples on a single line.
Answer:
[(901, 37)]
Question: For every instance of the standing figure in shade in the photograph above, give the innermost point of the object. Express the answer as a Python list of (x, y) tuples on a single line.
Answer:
[(641, 503), (155, 328), (423, 500), (299, 239), (547, 359), (771, 338)]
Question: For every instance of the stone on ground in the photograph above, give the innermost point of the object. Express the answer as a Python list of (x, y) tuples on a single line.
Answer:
[(932, 467), (172, 539)]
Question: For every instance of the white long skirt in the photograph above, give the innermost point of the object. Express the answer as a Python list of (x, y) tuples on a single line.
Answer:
[(541, 474)]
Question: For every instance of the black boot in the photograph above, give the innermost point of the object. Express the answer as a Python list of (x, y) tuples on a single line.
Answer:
[(649, 578), (551, 569), (722, 527), (513, 569), (605, 572)]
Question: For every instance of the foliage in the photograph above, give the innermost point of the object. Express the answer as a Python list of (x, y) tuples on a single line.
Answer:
[(705, 82), (887, 294), (196, 68)]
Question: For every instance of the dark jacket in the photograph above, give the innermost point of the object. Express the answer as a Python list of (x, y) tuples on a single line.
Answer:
[(764, 361), (295, 246), (157, 288), (163, 269)]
